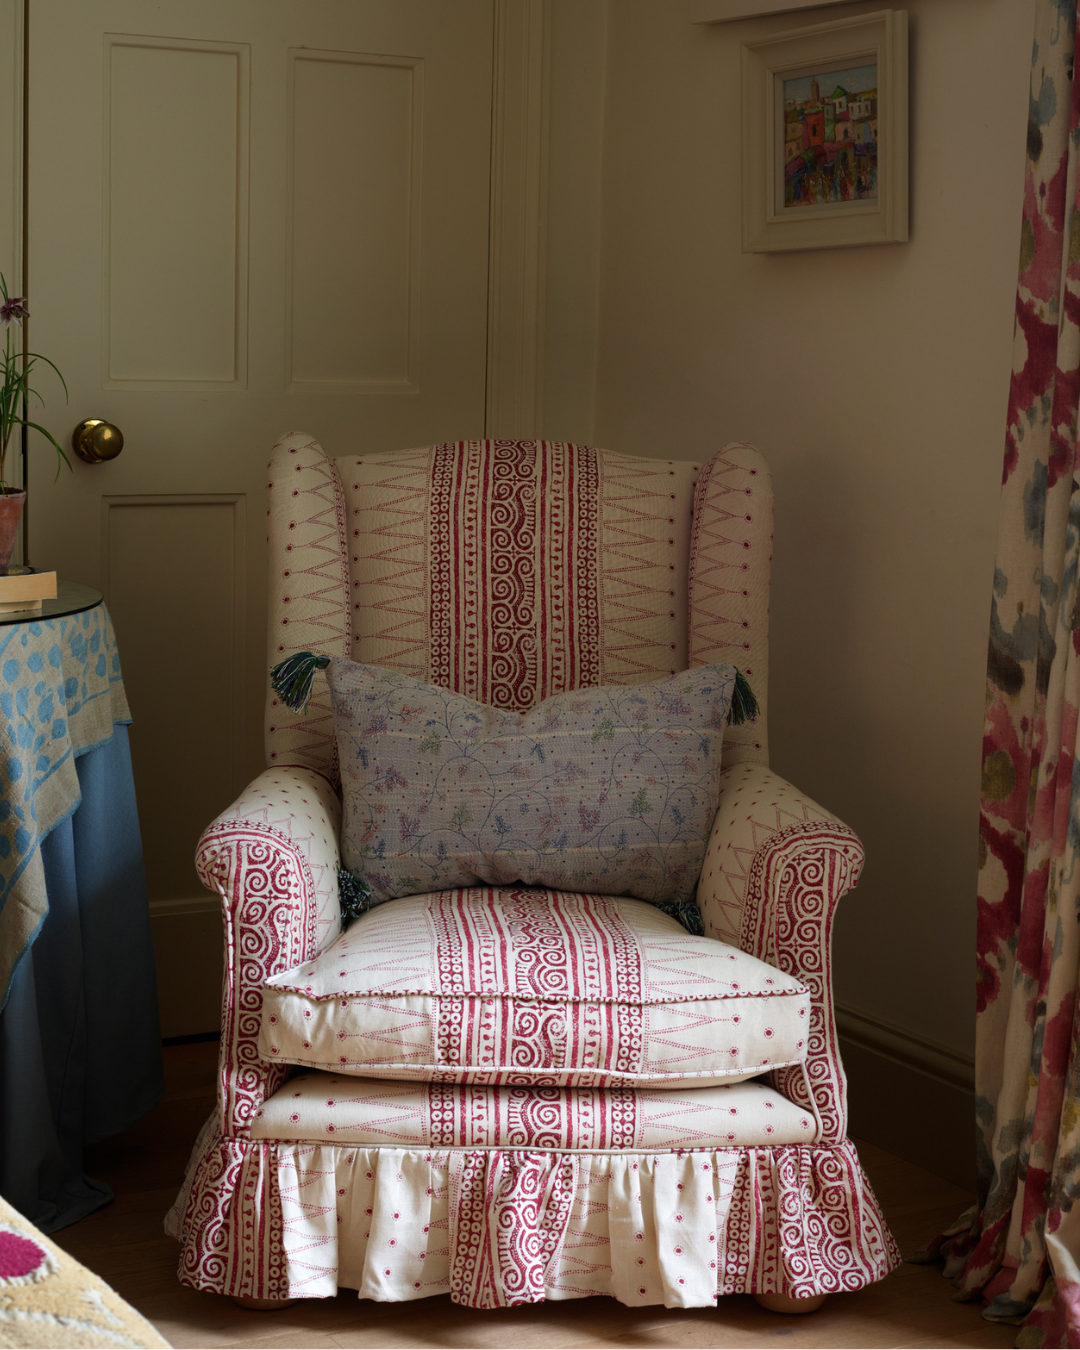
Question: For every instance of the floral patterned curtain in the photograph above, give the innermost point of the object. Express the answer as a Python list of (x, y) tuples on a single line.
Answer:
[(1020, 1248)]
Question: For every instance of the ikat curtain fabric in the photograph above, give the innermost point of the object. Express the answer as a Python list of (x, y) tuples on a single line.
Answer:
[(1020, 1248)]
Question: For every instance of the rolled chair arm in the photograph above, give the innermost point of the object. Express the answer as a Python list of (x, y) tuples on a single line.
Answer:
[(776, 865), (273, 858)]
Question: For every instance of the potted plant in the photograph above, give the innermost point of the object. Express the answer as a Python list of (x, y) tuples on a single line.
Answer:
[(15, 393)]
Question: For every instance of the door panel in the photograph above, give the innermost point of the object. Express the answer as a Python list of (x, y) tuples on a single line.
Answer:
[(246, 217), (354, 207), (174, 137)]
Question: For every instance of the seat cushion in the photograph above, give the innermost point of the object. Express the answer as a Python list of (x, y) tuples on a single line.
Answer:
[(527, 986), (610, 790), (331, 1108)]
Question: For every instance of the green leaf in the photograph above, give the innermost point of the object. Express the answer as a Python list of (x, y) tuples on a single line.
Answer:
[(49, 437), (605, 731)]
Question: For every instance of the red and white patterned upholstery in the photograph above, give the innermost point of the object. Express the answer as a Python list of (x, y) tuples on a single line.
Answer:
[(520, 986), (509, 571), (776, 867), (728, 583), (584, 559), (338, 1110), (494, 1227), (308, 590)]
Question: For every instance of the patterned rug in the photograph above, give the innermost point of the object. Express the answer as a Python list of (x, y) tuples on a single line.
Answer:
[(47, 1299)]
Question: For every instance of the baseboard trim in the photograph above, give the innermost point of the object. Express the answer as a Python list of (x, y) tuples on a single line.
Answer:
[(188, 957), (909, 1095), (196, 904), (906, 1048)]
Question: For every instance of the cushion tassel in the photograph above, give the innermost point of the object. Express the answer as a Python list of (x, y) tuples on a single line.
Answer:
[(292, 678), (744, 706), (687, 913), (354, 895)]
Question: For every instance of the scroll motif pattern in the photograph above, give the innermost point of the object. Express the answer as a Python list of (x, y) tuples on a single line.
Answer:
[(231, 1231), (271, 920), (794, 884), (513, 532), (524, 1225), (511, 1215), (533, 1117)]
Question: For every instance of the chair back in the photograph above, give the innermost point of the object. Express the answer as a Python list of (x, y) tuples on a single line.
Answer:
[(512, 570)]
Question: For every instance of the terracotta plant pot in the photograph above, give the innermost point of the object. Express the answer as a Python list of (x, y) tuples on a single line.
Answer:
[(11, 509)]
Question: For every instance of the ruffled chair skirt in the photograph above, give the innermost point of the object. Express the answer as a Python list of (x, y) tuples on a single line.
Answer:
[(500, 1226)]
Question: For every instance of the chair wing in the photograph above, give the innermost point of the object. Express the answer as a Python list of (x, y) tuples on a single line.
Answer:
[(512, 570)]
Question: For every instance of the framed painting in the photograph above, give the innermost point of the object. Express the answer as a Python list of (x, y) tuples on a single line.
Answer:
[(825, 135)]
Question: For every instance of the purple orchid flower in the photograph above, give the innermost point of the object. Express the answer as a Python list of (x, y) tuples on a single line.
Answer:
[(13, 311)]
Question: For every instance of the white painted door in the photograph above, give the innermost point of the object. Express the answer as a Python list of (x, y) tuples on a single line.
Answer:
[(245, 217)]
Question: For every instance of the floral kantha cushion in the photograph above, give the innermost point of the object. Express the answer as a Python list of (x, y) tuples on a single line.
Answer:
[(610, 790), (517, 986)]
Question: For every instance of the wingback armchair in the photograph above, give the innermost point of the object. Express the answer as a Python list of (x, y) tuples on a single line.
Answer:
[(511, 571)]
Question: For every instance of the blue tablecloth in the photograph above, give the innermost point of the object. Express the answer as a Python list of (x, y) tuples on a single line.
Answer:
[(60, 694), (80, 1047)]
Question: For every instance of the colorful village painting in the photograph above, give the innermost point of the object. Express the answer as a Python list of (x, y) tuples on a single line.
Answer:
[(830, 137)]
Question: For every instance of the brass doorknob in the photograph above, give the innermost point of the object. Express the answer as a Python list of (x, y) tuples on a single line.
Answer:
[(95, 440)]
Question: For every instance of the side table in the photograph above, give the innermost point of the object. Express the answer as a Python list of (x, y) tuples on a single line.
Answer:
[(80, 1049)]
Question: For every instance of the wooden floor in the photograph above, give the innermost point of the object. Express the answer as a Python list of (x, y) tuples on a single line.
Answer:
[(125, 1244)]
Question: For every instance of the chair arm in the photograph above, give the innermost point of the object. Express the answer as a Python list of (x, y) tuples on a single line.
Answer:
[(776, 865), (273, 858)]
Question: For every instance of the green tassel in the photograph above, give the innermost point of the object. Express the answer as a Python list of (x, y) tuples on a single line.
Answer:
[(354, 895), (292, 678), (744, 706), (687, 913)]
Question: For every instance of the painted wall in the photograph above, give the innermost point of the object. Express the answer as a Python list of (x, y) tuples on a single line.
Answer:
[(875, 380)]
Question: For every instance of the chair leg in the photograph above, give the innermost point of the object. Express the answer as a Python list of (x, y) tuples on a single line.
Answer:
[(781, 1303), (263, 1304)]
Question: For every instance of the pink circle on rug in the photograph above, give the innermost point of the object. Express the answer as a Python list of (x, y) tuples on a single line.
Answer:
[(19, 1256)]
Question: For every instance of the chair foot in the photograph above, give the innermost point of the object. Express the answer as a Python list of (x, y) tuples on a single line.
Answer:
[(781, 1303), (263, 1304)]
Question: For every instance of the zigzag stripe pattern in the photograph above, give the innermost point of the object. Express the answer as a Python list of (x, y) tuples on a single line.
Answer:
[(364, 556), (308, 593), (646, 507), (730, 557), (512, 570), (513, 985), (755, 806), (535, 1191), (387, 505), (331, 1108)]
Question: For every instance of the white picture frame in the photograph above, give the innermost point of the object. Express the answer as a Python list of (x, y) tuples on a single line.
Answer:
[(820, 193)]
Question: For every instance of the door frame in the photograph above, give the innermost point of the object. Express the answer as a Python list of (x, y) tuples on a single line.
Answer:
[(13, 175)]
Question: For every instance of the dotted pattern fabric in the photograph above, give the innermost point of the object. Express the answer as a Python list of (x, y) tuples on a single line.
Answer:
[(524, 986), (60, 694)]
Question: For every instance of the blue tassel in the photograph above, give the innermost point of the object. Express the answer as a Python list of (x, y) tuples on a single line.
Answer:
[(687, 913), (292, 678), (744, 706), (354, 895)]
